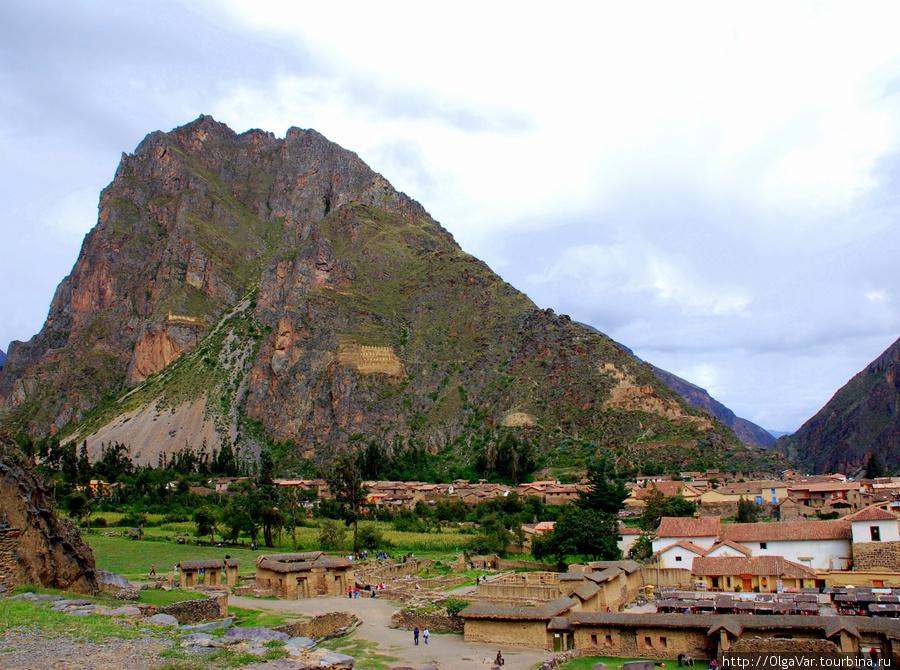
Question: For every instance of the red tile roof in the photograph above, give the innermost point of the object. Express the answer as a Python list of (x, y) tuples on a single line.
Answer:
[(871, 514), (786, 531), (763, 566), (705, 526)]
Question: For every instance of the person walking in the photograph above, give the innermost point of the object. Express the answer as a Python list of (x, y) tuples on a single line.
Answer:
[(153, 571), (425, 634), (416, 636)]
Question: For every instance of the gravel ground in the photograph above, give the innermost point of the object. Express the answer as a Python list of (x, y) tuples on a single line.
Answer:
[(27, 651)]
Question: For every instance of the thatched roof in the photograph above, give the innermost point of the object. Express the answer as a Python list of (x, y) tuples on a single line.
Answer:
[(542, 612)]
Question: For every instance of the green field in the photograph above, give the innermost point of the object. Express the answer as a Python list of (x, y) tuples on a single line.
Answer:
[(133, 558)]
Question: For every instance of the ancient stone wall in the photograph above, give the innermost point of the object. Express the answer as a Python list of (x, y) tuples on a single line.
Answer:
[(321, 627), (198, 611), (9, 541), (411, 567), (435, 623), (874, 555)]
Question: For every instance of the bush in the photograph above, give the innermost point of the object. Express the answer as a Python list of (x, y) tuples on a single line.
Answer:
[(99, 522), (455, 606)]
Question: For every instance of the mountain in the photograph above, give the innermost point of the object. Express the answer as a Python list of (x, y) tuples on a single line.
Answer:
[(862, 418), (747, 431), (251, 291), (2, 358)]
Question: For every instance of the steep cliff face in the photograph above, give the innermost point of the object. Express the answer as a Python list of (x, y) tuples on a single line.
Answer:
[(863, 417), (36, 546), (747, 431), (242, 286), (2, 358)]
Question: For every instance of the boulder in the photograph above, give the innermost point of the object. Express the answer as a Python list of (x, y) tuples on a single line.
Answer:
[(127, 610), (210, 626), (161, 620), (257, 634), (336, 660)]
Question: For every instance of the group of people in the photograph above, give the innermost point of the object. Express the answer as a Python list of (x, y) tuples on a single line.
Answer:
[(425, 635)]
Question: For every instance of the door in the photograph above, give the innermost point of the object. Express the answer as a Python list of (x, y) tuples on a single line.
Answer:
[(746, 584)]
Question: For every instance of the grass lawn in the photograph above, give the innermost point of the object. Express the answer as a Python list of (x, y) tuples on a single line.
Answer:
[(133, 558), (588, 662), (367, 653), (33, 617)]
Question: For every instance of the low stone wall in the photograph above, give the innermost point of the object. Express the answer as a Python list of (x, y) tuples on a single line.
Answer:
[(559, 659), (197, 611), (324, 627), (875, 555), (395, 571), (435, 623)]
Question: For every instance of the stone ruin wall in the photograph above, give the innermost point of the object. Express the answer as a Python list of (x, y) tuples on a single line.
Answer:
[(326, 626), (197, 611), (876, 555)]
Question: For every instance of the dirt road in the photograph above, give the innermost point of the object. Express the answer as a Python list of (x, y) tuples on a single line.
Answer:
[(450, 651)]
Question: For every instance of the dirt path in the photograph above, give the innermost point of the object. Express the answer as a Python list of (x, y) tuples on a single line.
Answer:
[(450, 651)]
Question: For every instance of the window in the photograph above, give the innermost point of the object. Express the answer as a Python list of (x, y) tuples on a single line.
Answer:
[(609, 639), (663, 642), (763, 545), (876, 533), (773, 491), (774, 500), (878, 583), (678, 559), (593, 640), (759, 500), (648, 642)]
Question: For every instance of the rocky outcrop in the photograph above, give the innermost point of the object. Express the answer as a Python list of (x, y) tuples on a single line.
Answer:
[(862, 418), (241, 276), (36, 546)]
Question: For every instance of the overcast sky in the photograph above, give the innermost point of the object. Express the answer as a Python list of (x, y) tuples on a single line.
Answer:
[(714, 185)]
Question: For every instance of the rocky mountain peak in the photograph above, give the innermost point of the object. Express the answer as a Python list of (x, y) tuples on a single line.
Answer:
[(247, 289)]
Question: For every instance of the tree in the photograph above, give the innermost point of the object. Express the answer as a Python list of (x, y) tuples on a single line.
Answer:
[(350, 492), (372, 538), (331, 536), (207, 523), (657, 506), (874, 468), (586, 533), (642, 547), (80, 507), (747, 511), (604, 493), (494, 536), (238, 520)]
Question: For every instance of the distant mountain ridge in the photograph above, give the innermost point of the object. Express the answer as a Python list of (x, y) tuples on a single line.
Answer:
[(747, 431), (862, 418)]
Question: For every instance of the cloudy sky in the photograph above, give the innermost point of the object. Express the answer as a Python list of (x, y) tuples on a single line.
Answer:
[(713, 184)]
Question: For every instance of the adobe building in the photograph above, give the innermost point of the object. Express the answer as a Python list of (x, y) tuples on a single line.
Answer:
[(208, 573), (515, 624), (304, 575)]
